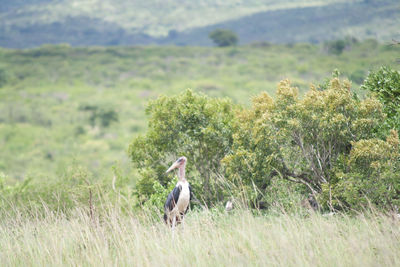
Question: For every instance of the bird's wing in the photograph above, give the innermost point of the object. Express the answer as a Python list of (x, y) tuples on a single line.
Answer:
[(172, 198)]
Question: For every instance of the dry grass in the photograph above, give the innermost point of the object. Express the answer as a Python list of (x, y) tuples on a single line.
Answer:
[(208, 239)]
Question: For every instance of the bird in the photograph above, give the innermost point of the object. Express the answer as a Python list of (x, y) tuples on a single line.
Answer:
[(229, 206), (178, 200)]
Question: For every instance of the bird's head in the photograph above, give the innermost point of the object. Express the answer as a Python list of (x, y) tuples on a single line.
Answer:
[(178, 164)]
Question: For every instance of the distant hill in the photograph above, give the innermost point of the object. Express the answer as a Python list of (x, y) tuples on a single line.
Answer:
[(32, 23), (378, 20)]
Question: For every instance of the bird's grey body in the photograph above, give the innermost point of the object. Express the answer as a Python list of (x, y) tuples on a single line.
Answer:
[(178, 200)]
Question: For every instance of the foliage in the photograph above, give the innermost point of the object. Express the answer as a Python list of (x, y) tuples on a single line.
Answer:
[(189, 124), (301, 140), (385, 85), (223, 37), (370, 176)]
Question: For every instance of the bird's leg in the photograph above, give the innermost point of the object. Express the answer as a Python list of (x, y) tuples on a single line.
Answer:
[(182, 219), (173, 223), (169, 221)]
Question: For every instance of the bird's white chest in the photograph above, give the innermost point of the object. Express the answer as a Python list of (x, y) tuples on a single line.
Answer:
[(184, 196)]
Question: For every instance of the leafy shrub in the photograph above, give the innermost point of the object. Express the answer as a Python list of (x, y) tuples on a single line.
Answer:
[(300, 140), (370, 176), (189, 124), (223, 37), (385, 85)]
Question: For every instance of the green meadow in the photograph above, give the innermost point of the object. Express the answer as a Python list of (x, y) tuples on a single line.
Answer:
[(63, 106)]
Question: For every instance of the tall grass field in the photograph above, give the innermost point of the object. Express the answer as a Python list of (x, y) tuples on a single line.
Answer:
[(207, 238)]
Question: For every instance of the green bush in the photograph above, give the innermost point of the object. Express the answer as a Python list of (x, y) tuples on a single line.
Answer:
[(385, 85), (370, 176), (302, 140), (190, 124)]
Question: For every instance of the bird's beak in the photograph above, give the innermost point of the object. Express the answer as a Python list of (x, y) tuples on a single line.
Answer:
[(173, 166)]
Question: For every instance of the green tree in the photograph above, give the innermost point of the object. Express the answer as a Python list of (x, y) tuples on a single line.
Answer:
[(223, 37), (301, 140), (189, 124)]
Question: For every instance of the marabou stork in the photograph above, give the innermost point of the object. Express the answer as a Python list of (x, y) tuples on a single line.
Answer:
[(178, 200)]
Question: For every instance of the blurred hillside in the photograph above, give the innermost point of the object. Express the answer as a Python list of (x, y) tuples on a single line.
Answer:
[(369, 19), (60, 105), (93, 22)]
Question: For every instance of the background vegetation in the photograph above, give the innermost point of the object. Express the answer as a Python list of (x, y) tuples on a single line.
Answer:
[(62, 106)]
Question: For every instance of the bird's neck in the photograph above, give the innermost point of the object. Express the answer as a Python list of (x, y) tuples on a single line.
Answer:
[(181, 174)]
